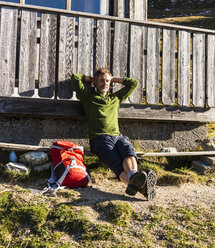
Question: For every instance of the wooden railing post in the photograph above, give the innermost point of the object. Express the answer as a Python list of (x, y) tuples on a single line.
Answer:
[(22, 1), (119, 8), (68, 4), (137, 9)]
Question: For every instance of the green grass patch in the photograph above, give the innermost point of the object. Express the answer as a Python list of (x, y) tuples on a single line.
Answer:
[(211, 130), (98, 170), (207, 22), (172, 171), (117, 212), (182, 226)]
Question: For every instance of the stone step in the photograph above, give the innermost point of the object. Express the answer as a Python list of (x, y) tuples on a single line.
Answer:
[(209, 160), (202, 167)]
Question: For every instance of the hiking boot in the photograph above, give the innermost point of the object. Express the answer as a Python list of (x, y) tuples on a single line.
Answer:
[(149, 189), (136, 182)]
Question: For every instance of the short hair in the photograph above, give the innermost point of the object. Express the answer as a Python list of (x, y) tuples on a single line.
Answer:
[(101, 71)]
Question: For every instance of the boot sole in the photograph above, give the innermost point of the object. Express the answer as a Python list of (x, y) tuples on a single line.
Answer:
[(150, 185), (138, 182)]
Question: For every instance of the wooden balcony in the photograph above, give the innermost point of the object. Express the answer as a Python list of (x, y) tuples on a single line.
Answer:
[(41, 46)]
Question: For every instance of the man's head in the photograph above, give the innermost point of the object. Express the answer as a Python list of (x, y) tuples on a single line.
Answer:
[(102, 80)]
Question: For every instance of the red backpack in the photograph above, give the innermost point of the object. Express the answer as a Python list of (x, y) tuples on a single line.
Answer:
[(68, 165)]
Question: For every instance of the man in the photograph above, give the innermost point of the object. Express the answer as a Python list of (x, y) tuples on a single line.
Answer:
[(101, 109)]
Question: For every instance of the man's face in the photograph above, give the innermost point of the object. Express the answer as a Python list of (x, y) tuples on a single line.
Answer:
[(103, 83)]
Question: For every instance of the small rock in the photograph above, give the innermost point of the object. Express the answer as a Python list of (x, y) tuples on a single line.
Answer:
[(34, 158), (169, 149), (42, 167), (201, 167), (209, 160), (17, 167)]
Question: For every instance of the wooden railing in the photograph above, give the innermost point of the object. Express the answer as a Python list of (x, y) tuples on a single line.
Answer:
[(40, 47)]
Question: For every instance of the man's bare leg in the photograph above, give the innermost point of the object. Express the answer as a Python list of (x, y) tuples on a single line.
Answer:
[(129, 165), (138, 181), (130, 176)]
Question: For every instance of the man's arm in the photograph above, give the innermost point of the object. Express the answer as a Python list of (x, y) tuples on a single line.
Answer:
[(129, 87), (88, 79), (117, 80), (77, 81)]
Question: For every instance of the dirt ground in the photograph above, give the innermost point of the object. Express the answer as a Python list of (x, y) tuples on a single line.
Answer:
[(111, 190), (184, 195)]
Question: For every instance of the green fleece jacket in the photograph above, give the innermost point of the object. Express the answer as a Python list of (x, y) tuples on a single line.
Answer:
[(102, 112)]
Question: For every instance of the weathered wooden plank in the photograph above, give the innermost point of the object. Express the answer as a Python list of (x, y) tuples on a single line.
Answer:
[(47, 55), (66, 54), (104, 7), (166, 113), (28, 52), (184, 68), (138, 9), (137, 61), (18, 106), (175, 154), (211, 70), (168, 67), (119, 8), (8, 36), (120, 51), (145, 35), (21, 147), (153, 61), (103, 44), (199, 70), (68, 4), (85, 46)]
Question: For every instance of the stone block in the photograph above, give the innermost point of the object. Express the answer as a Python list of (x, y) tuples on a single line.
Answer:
[(17, 167), (209, 160), (201, 167), (42, 167), (169, 149), (34, 158)]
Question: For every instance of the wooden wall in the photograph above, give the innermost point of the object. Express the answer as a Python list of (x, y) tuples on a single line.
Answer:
[(174, 65)]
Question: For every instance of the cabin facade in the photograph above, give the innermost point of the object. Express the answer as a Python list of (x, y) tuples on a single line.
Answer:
[(41, 46)]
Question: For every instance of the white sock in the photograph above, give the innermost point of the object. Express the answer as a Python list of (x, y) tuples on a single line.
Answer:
[(131, 172)]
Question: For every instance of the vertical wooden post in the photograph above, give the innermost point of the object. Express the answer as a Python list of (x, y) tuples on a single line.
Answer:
[(137, 9), (119, 8), (68, 4), (22, 1), (104, 7)]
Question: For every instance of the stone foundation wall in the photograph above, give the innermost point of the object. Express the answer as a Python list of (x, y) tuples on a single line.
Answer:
[(144, 135)]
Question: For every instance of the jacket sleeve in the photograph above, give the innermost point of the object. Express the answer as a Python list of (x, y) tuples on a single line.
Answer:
[(129, 87), (77, 81)]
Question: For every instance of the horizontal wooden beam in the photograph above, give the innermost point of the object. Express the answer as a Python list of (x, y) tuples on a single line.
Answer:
[(35, 107), (111, 18), (175, 154), (167, 113), (22, 147)]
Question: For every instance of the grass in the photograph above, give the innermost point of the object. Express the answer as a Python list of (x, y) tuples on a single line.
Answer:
[(201, 18), (184, 226), (211, 130), (119, 213), (29, 220)]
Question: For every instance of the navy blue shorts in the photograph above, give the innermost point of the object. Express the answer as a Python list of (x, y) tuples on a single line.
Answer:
[(112, 150)]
